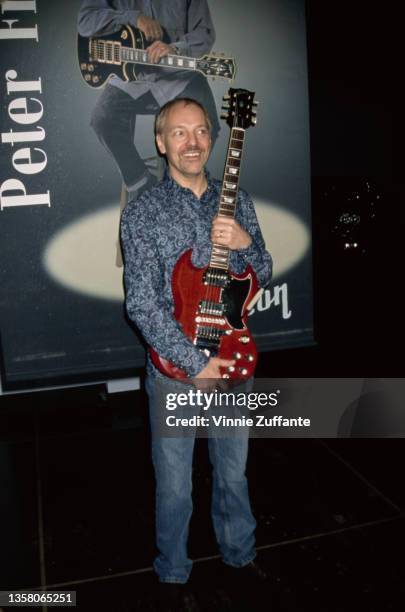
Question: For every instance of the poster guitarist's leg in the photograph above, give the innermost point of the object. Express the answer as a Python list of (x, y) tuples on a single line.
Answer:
[(113, 119)]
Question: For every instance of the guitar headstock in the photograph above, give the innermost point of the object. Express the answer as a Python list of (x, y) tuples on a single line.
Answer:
[(214, 65), (240, 108)]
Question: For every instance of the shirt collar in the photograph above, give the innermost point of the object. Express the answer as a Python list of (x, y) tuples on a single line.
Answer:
[(174, 185)]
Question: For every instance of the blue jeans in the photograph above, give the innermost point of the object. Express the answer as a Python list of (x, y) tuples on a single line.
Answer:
[(172, 457)]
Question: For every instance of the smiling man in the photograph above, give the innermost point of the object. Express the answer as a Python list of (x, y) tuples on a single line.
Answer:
[(178, 214)]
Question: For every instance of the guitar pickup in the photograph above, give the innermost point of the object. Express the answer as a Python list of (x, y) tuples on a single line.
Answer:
[(211, 308)]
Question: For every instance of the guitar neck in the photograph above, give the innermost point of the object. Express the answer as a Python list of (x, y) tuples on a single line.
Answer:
[(140, 56), (229, 193)]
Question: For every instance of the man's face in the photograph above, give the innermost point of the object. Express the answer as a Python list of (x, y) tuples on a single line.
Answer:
[(185, 141)]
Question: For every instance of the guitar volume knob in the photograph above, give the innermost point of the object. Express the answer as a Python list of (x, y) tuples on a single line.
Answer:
[(231, 369), (250, 358), (237, 355), (244, 339), (243, 371)]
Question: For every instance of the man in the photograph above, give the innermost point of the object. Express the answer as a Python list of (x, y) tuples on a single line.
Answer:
[(175, 27), (177, 214)]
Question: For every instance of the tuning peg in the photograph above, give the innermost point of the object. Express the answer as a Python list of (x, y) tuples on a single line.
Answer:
[(224, 116), (226, 97), (254, 120), (255, 103), (254, 112), (226, 105)]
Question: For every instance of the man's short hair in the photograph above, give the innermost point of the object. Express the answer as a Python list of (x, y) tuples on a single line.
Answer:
[(160, 119)]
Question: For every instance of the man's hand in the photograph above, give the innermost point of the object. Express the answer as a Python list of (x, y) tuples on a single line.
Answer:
[(212, 371), (150, 27), (157, 50), (229, 233)]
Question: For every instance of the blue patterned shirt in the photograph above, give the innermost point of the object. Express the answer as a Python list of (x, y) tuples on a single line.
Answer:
[(156, 229)]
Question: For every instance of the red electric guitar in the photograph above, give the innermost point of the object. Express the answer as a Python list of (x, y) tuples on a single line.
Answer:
[(211, 303)]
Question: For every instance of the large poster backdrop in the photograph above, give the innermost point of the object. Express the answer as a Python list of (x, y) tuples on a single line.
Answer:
[(61, 308)]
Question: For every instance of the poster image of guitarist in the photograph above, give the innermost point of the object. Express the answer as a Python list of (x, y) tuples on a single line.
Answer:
[(177, 214), (182, 27)]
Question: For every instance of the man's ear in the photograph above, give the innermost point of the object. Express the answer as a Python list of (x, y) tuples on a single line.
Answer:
[(160, 144)]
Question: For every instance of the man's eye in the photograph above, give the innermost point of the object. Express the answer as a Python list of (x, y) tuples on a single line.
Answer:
[(178, 133)]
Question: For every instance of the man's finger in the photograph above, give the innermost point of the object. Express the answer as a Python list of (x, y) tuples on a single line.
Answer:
[(224, 220), (224, 363)]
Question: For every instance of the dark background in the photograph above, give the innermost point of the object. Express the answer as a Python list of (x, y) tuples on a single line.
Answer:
[(352, 84)]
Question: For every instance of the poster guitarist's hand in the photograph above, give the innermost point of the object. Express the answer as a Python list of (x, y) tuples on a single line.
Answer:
[(157, 50), (150, 27)]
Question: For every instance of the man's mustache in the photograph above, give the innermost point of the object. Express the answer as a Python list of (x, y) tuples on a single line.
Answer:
[(193, 149)]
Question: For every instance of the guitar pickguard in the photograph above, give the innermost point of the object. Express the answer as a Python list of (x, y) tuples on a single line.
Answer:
[(234, 297)]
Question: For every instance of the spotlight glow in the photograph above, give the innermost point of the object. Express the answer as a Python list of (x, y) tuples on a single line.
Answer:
[(82, 256)]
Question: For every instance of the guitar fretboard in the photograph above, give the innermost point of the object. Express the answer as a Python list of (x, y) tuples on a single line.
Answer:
[(111, 52), (229, 193), (139, 56)]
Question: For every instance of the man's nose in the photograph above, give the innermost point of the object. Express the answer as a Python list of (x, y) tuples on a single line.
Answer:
[(192, 138)]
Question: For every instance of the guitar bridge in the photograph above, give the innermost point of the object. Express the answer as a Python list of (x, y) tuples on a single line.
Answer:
[(208, 338)]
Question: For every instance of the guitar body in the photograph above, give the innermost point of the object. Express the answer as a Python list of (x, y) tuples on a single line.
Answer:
[(95, 72), (211, 306)]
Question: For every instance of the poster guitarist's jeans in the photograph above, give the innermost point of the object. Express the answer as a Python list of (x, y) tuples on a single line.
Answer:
[(172, 457), (114, 119)]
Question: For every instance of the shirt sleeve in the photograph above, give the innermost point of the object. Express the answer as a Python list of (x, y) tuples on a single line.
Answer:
[(256, 254), (144, 294), (200, 35), (96, 17)]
